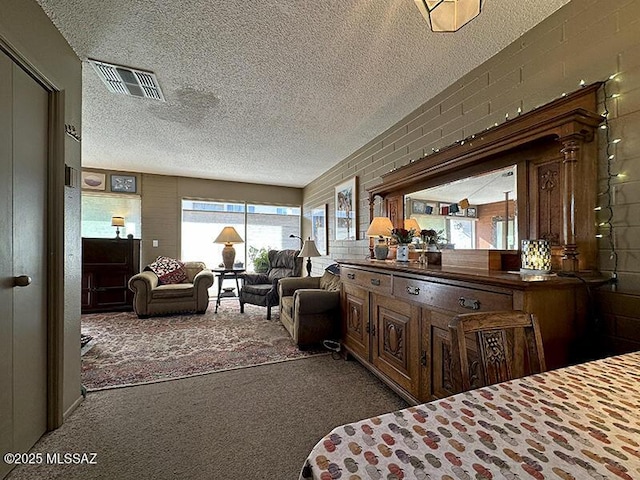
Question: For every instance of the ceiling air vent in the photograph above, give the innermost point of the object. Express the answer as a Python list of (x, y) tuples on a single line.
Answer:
[(128, 81)]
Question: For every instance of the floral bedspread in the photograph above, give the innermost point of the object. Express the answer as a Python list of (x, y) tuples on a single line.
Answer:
[(579, 422)]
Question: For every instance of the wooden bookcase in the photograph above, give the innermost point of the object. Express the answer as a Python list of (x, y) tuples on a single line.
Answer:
[(107, 266)]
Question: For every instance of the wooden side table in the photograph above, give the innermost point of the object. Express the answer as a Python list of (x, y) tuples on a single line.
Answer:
[(223, 274)]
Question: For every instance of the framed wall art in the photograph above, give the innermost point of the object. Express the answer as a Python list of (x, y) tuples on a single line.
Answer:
[(92, 181), (346, 214), (123, 183), (418, 207), (471, 212), (320, 228)]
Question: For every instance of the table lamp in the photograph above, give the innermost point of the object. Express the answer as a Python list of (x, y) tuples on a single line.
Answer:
[(412, 223), (117, 222), (309, 250), (380, 227), (228, 236)]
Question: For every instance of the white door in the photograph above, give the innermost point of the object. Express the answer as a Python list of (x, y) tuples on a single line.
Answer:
[(23, 234)]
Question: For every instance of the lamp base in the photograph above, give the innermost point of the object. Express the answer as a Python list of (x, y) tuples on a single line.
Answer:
[(228, 256)]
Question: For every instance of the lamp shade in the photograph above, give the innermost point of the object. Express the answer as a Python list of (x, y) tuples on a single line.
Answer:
[(309, 249), (380, 227), (228, 235), (536, 256), (449, 15), (117, 221), (412, 223)]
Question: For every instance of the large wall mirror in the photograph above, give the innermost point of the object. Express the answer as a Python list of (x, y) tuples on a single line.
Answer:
[(532, 177), (476, 212)]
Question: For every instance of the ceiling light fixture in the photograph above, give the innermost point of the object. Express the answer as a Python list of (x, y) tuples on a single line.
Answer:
[(449, 15), (128, 81)]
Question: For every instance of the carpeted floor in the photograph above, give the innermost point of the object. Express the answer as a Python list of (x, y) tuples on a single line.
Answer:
[(254, 423), (128, 350)]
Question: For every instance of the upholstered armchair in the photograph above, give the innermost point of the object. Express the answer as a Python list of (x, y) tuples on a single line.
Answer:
[(189, 295), (310, 308), (262, 288)]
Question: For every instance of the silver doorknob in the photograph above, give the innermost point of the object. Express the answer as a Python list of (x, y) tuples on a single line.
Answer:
[(22, 281)]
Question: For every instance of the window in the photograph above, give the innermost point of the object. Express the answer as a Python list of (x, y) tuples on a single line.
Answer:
[(269, 226), (508, 242), (98, 208), (202, 222), (461, 233), (261, 226)]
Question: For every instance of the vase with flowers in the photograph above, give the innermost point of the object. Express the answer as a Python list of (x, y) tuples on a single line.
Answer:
[(403, 238), (432, 239)]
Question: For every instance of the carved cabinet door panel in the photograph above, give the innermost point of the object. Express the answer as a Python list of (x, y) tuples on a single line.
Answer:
[(355, 320), (442, 365), (396, 341), (395, 210)]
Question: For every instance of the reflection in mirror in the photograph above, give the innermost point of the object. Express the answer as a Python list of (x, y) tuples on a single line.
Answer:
[(478, 212)]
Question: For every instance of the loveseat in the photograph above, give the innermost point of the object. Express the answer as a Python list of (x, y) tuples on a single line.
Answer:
[(310, 308), (151, 297)]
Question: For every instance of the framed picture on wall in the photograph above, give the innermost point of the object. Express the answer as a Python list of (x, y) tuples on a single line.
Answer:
[(346, 214), (418, 207), (320, 228), (93, 181), (471, 212), (123, 183)]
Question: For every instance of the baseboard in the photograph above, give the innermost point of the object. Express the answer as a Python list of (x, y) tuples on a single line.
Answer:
[(72, 408)]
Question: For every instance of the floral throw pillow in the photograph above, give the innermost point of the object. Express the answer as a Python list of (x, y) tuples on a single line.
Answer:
[(169, 270)]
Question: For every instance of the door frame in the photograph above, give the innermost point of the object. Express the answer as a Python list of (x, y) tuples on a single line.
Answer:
[(55, 236)]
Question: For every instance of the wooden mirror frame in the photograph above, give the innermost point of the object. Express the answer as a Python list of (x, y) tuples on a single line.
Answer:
[(553, 146)]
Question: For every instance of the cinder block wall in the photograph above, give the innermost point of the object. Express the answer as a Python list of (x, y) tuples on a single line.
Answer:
[(586, 39)]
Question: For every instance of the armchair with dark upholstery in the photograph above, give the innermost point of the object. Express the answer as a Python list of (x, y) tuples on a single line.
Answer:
[(262, 288), (310, 308)]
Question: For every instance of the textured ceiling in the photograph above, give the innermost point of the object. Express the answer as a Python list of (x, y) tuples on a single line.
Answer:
[(271, 91)]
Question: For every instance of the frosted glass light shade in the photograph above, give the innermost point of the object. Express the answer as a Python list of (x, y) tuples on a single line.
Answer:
[(449, 15)]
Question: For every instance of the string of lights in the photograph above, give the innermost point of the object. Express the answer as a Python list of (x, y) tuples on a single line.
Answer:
[(608, 194)]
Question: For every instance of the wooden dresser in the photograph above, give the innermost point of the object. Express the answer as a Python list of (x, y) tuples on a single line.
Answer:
[(107, 266), (395, 317)]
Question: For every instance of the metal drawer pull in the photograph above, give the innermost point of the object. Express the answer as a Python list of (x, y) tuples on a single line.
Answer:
[(413, 290), (351, 276), (22, 281), (375, 281), (469, 303)]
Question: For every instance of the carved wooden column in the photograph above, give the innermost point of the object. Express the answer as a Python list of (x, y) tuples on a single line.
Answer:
[(372, 204), (571, 152)]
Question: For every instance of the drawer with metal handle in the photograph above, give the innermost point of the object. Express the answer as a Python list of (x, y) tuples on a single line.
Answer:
[(450, 297), (374, 281)]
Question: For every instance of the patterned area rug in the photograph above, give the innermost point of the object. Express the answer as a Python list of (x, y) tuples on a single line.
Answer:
[(130, 351)]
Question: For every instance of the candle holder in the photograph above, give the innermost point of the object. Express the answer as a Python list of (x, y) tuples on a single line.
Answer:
[(536, 257)]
